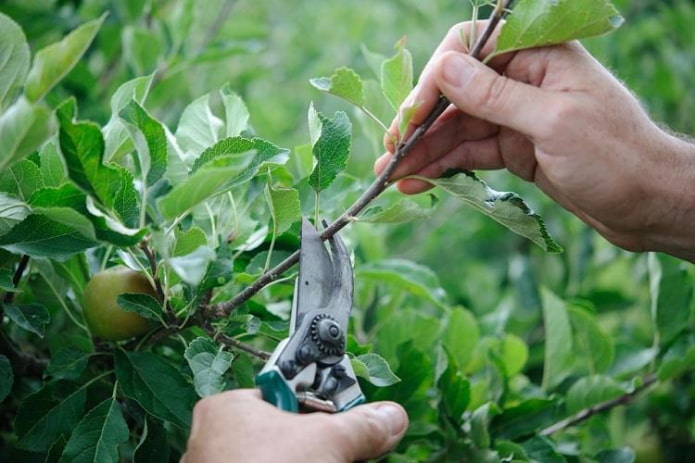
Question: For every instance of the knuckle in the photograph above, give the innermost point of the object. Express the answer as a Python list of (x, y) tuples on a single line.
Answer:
[(494, 94)]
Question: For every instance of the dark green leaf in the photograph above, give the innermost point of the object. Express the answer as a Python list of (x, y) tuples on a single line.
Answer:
[(97, 436), (506, 208), (156, 385), (678, 359), (376, 370), (6, 283), (82, 146), (524, 419), (537, 23), (150, 141), (38, 236), (402, 327), (209, 363), (68, 363), (46, 415), (671, 287), (142, 304), (31, 317), (52, 63), (542, 449), (455, 388), (344, 83), (624, 455), (22, 179), (331, 150), (480, 422), (15, 57), (153, 447), (6, 377)]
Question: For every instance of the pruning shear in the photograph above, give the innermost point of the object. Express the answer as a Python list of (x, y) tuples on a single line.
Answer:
[(309, 370)]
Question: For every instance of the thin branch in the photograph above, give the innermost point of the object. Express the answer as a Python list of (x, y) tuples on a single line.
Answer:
[(587, 413), (236, 344)]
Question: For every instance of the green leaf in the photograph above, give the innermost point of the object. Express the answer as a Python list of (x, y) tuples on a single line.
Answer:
[(375, 369), (47, 414), (455, 389), (156, 385), (6, 283), (402, 327), (403, 210), (209, 363), (331, 150), (460, 334), (15, 57), (266, 153), (397, 75), (671, 290), (624, 455), (12, 212), (52, 169), (525, 418), (142, 304), (24, 127), (284, 207), (236, 113), (480, 422), (590, 391), (68, 363), (537, 23), (39, 236), (592, 343), (116, 139), (214, 178), (189, 241), (65, 205), (6, 377), (344, 83), (558, 339), (31, 317), (82, 146), (149, 139), (514, 353), (193, 266), (679, 358), (53, 62), (198, 127), (506, 208), (153, 446), (22, 179), (97, 436), (406, 275)]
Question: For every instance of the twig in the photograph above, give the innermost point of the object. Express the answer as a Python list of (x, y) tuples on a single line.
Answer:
[(9, 296), (236, 344), (587, 413), (375, 189)]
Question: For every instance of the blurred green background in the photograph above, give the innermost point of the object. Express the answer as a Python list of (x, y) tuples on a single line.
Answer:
[(267, 50)]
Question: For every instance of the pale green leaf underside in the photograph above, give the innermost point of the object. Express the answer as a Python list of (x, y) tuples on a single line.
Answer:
[(374, 369), (506, 208), (208, 364), (535, 23), (14, 60)]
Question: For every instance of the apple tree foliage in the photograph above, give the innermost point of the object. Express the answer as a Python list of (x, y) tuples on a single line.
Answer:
[(111, 153)]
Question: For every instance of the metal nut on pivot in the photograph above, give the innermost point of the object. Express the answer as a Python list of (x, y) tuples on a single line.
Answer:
[(328, 335)]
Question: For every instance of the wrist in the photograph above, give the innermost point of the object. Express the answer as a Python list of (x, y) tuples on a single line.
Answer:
[(670, 220)]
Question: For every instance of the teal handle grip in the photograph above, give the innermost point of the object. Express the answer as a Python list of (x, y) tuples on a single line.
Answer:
[(276, 391)]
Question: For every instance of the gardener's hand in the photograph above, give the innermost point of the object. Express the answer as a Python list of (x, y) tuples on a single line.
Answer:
[(237, 426), (556, 117)]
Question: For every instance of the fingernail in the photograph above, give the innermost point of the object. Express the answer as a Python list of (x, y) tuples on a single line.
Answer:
[(457, 71), (394, 417)]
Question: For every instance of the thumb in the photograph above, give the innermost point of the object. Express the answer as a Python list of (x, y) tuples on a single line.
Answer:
[(479, 91), (368, 431)]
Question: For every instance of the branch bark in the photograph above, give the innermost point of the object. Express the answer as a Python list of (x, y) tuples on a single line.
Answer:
[(380, 184), (587, 413)]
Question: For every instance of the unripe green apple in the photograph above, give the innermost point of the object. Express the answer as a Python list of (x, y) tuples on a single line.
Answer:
[(104, 316)]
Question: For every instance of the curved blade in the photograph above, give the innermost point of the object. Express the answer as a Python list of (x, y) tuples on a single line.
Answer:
[(324, 283)]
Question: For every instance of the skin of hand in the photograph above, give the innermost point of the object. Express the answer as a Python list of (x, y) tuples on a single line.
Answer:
[(238, 426), (555, 116)]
